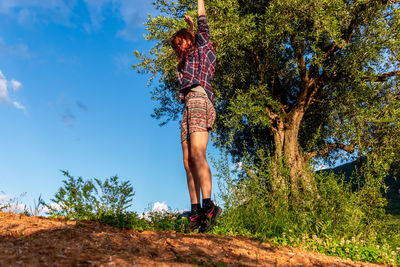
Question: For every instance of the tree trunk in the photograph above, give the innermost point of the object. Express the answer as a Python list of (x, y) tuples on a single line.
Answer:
[(279, 183), (288, 154)]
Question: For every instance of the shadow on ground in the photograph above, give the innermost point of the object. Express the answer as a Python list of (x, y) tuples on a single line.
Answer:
[(34, 241)]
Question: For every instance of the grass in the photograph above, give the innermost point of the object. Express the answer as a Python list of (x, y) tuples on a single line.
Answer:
[(354, 247), (309, 229)]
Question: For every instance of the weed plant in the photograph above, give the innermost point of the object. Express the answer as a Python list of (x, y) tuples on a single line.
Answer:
[(336, 220), (125, 220), (90, 199), (14, 205), (167, 221), (107, 202)]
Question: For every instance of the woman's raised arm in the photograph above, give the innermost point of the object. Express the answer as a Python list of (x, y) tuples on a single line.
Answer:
[(189, 21), (201, 10)]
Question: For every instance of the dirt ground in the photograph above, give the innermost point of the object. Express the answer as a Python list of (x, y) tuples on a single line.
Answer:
[(38, 241)]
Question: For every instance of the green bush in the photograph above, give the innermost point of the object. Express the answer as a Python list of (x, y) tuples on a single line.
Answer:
[(84, 199), (167, 221), (107, 201), (125, 220), (335, 220)]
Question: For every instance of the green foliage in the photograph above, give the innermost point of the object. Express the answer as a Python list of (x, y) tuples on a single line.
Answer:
[(167, 221), (337, 220), (115, 195), (328, 71), (80, 199), (108, 202), (125, 220), (353, 248), (276, 56)]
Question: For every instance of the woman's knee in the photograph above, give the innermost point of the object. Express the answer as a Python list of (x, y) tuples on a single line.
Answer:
[(197, 156)]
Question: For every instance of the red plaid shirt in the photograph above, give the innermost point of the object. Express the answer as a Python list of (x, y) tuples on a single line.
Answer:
[(200, 64)]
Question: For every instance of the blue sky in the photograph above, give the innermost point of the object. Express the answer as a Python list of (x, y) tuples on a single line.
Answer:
[(69, 100)]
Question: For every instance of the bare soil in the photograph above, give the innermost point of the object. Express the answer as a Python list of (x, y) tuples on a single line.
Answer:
[(38, 241)]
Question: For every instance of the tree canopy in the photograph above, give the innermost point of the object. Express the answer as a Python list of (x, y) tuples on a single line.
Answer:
[(300, 79)]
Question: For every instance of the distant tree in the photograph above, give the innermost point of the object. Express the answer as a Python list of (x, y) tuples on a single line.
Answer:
[(302, 80)]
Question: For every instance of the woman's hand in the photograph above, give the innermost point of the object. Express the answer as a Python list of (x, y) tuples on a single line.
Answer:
[(189, 21)]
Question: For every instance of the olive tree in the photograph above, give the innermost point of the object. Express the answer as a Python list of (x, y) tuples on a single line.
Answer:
[(302, 80)]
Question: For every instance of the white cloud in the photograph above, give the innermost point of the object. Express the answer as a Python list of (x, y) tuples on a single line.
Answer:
[(5, 94), (46, 210), (3, 198), (18, 105), (15, 208), (15, 205), (15, 85), (29, 12), (3, 88), (33, 11), (96, 9), (21, 50), (159, 209), (133, 13), (11, 204)]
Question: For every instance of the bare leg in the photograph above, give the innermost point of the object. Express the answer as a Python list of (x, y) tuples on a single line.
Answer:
[(198, 162), (193, 184)]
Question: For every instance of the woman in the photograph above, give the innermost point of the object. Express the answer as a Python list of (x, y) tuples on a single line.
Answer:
[(197, 61)]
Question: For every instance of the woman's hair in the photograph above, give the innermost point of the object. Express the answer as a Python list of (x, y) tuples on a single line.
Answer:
[(176, 40)]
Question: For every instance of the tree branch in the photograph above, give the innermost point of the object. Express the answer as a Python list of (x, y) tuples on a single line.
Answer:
[(382, 77), (313, 92), (272, 115), (304, 94), (259, 66), (394, 54), (329, 148), (348, 33), (279, 93), (298, 50)]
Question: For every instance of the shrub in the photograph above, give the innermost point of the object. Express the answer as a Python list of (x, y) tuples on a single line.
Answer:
[(166, 221), (335, 219), (125, 220), (108, 202), (85, 199)]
